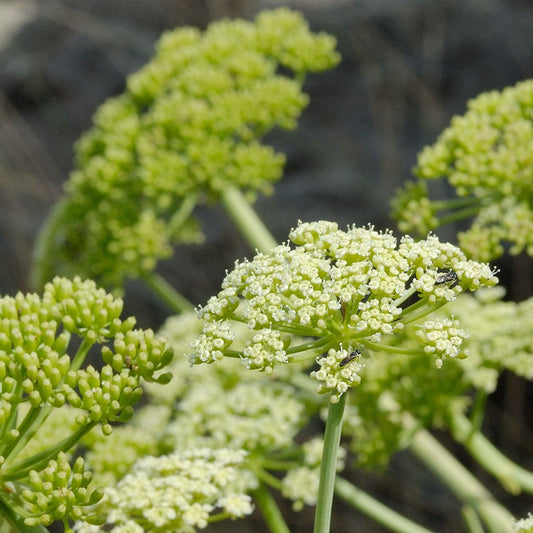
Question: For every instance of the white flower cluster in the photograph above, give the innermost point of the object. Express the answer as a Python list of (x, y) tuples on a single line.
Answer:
[(339, 370), (301, 484), (179, 492), (524, 525), (344, 290), (442, 338)]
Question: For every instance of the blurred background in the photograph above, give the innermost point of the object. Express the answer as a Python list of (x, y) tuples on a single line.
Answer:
[(408, 66)]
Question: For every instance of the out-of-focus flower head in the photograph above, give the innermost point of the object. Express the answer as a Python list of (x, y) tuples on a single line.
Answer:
[(182, 491), (486, 156), (187, 127)]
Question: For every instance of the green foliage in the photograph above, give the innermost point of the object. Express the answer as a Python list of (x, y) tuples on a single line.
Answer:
[(486, 156), (187, 127)]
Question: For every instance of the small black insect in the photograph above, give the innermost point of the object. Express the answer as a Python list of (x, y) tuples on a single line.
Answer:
[(349, 358), (447, 277)]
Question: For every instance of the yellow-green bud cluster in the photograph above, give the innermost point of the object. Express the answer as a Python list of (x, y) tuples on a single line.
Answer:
[(60, 492), (41, 372), (486, 156), (349, 291), (188, 126)]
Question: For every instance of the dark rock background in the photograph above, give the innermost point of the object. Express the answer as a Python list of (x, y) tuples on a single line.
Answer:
[(408, 66)]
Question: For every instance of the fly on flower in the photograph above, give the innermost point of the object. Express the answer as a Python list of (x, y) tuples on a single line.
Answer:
[(350, 358), (448, 277)]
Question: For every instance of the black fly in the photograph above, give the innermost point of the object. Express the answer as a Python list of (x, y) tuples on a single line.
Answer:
[(349, 358), (447, 277)]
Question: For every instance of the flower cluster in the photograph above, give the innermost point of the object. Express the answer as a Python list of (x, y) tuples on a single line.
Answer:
[(301, 483), (187, 128), (44, 342), (344, 292), (60, 492), (486, 156), (392, 388), (178, 492), (217, 407), (524, 525)]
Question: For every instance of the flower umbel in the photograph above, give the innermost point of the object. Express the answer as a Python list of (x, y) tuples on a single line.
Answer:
[(187, 128), (42, 375), (346, 293), (486, 156), (179, 492)]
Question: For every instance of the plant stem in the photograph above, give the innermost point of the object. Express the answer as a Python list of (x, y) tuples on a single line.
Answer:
[(270, 510), (512, 476), (471, 520), (44, 253), (328, 467), (167, 293), (461, 482), (374, 509), (246, 219)]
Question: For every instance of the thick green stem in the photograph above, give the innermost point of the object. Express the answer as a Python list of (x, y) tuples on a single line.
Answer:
[(167, 293), (270, 510), (328, 467), (461, 482), (246, 219), (374, 509), (512, 476)]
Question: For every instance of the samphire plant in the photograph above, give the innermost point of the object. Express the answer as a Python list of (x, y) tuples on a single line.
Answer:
[(366, 335)]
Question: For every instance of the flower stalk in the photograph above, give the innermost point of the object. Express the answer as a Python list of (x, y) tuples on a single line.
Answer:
[(377, 511), (461, 482), (328, 466), (245, 218), (513, 477)]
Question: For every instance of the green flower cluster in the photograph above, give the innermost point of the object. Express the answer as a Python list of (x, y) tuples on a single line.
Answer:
[(187, 128), (60, 492), (44, 342), (347, 292), (486, 155), (216, 409), (394, 390)]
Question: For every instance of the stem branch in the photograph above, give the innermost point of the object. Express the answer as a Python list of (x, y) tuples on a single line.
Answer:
[(374, 509), (513, 477), (270, 510), (246, 219), (461, 482), (167, 293)]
